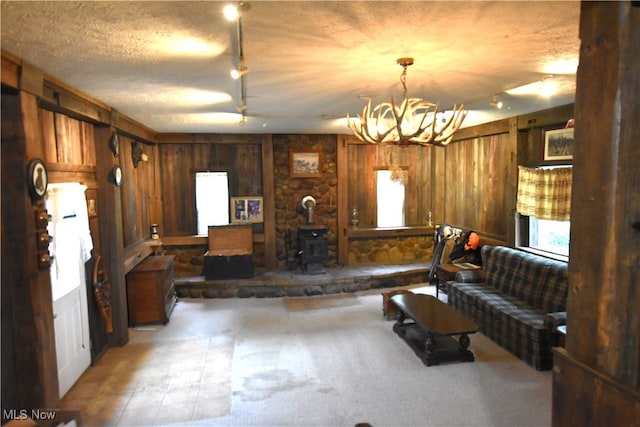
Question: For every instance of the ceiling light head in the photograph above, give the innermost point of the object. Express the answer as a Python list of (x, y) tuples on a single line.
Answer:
[(236, 73), (496, 103), (548, 87), (233, 11)]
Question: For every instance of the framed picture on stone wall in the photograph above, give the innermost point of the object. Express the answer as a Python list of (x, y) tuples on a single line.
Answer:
[(305, 163), (246, 209)]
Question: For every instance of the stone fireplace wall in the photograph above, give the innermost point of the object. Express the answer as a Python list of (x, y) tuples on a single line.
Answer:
[(290, 191), (414, 249)]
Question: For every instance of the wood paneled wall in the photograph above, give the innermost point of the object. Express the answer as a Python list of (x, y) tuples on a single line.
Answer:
[(365, 160), (469, 183), (178, 165), (477, 176), (139, 190)]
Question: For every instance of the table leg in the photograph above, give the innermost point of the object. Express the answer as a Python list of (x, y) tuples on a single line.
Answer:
[(464, 341), (430, 344)]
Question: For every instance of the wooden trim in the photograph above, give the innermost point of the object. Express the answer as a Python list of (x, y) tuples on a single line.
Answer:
[(486, 129), (375, 233), (10, 69), (209, 138), (135, 254), (198, 240), (184, 240), (546, 117)]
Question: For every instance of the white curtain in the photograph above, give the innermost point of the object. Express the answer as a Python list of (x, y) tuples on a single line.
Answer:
[(71, 246)]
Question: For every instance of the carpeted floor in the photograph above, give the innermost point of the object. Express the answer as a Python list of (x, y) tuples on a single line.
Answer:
[(320, 302), (256, 362)]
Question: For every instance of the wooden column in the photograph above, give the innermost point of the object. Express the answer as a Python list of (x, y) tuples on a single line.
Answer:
[(344, 212), (111, 234), (596, 378), (28, 341), (269, 197)]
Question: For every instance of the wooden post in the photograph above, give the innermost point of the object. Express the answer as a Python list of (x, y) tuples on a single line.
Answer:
[(111, 234), (344, 211), (596, 378), (268, 190)]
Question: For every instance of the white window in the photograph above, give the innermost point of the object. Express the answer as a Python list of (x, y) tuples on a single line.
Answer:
[(212, 199), (390, 198), (549, 236)]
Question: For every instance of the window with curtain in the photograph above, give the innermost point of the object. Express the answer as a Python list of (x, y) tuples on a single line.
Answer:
[(544, 202)]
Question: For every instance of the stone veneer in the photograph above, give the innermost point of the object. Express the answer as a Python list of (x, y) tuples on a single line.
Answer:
[(285, 283), (394, 250), (289, 215), (289, 191)]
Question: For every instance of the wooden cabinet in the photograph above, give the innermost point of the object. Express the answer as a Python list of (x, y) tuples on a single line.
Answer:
[(151, 292)]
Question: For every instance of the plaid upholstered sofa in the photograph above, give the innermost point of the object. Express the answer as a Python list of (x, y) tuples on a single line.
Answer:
[(510, 298)]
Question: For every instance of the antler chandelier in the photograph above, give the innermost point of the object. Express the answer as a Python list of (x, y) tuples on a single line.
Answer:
[(414, 121)]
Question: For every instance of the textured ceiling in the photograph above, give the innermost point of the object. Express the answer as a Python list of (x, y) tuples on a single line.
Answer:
[(166, 64)]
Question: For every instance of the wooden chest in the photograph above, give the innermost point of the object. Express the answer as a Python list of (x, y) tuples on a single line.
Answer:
[(230, 254), (151, 294)]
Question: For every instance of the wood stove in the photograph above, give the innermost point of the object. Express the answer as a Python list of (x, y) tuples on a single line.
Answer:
[(313, 247)]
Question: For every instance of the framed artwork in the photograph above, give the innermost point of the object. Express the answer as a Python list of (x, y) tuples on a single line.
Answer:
[(305, 163), (38, 179), (558, 144), (246, 209)]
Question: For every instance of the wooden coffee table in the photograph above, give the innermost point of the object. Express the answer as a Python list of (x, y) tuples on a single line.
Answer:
[(431, 334)]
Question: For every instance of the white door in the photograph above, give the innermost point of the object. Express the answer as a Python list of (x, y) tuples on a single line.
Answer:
[(71, 248), (71, 328)]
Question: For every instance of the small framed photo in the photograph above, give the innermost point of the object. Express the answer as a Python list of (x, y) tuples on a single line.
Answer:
[(558, 144), (246, 209), (38, 179), (305, 163)]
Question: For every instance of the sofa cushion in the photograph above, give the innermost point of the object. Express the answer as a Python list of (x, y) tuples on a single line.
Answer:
[(517, 327), (540, 282), (529, 278), (499, 264), (556, 288), (463, 296)]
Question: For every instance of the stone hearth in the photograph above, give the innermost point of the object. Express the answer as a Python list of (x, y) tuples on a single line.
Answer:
[(283, 283)]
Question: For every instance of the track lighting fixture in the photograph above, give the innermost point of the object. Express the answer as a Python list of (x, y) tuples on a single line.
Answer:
[(496, 103), (236, 73), (234, 12)]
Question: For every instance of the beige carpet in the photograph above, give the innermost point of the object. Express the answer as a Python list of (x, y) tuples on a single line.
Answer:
[(320, 302), (251, 362)]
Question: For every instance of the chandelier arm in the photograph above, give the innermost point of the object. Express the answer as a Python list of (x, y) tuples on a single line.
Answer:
[(412, 113), (454, 122), (422, 105), (383, 110)]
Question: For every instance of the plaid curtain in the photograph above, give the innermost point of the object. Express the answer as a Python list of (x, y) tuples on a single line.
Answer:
[(544, 193)]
